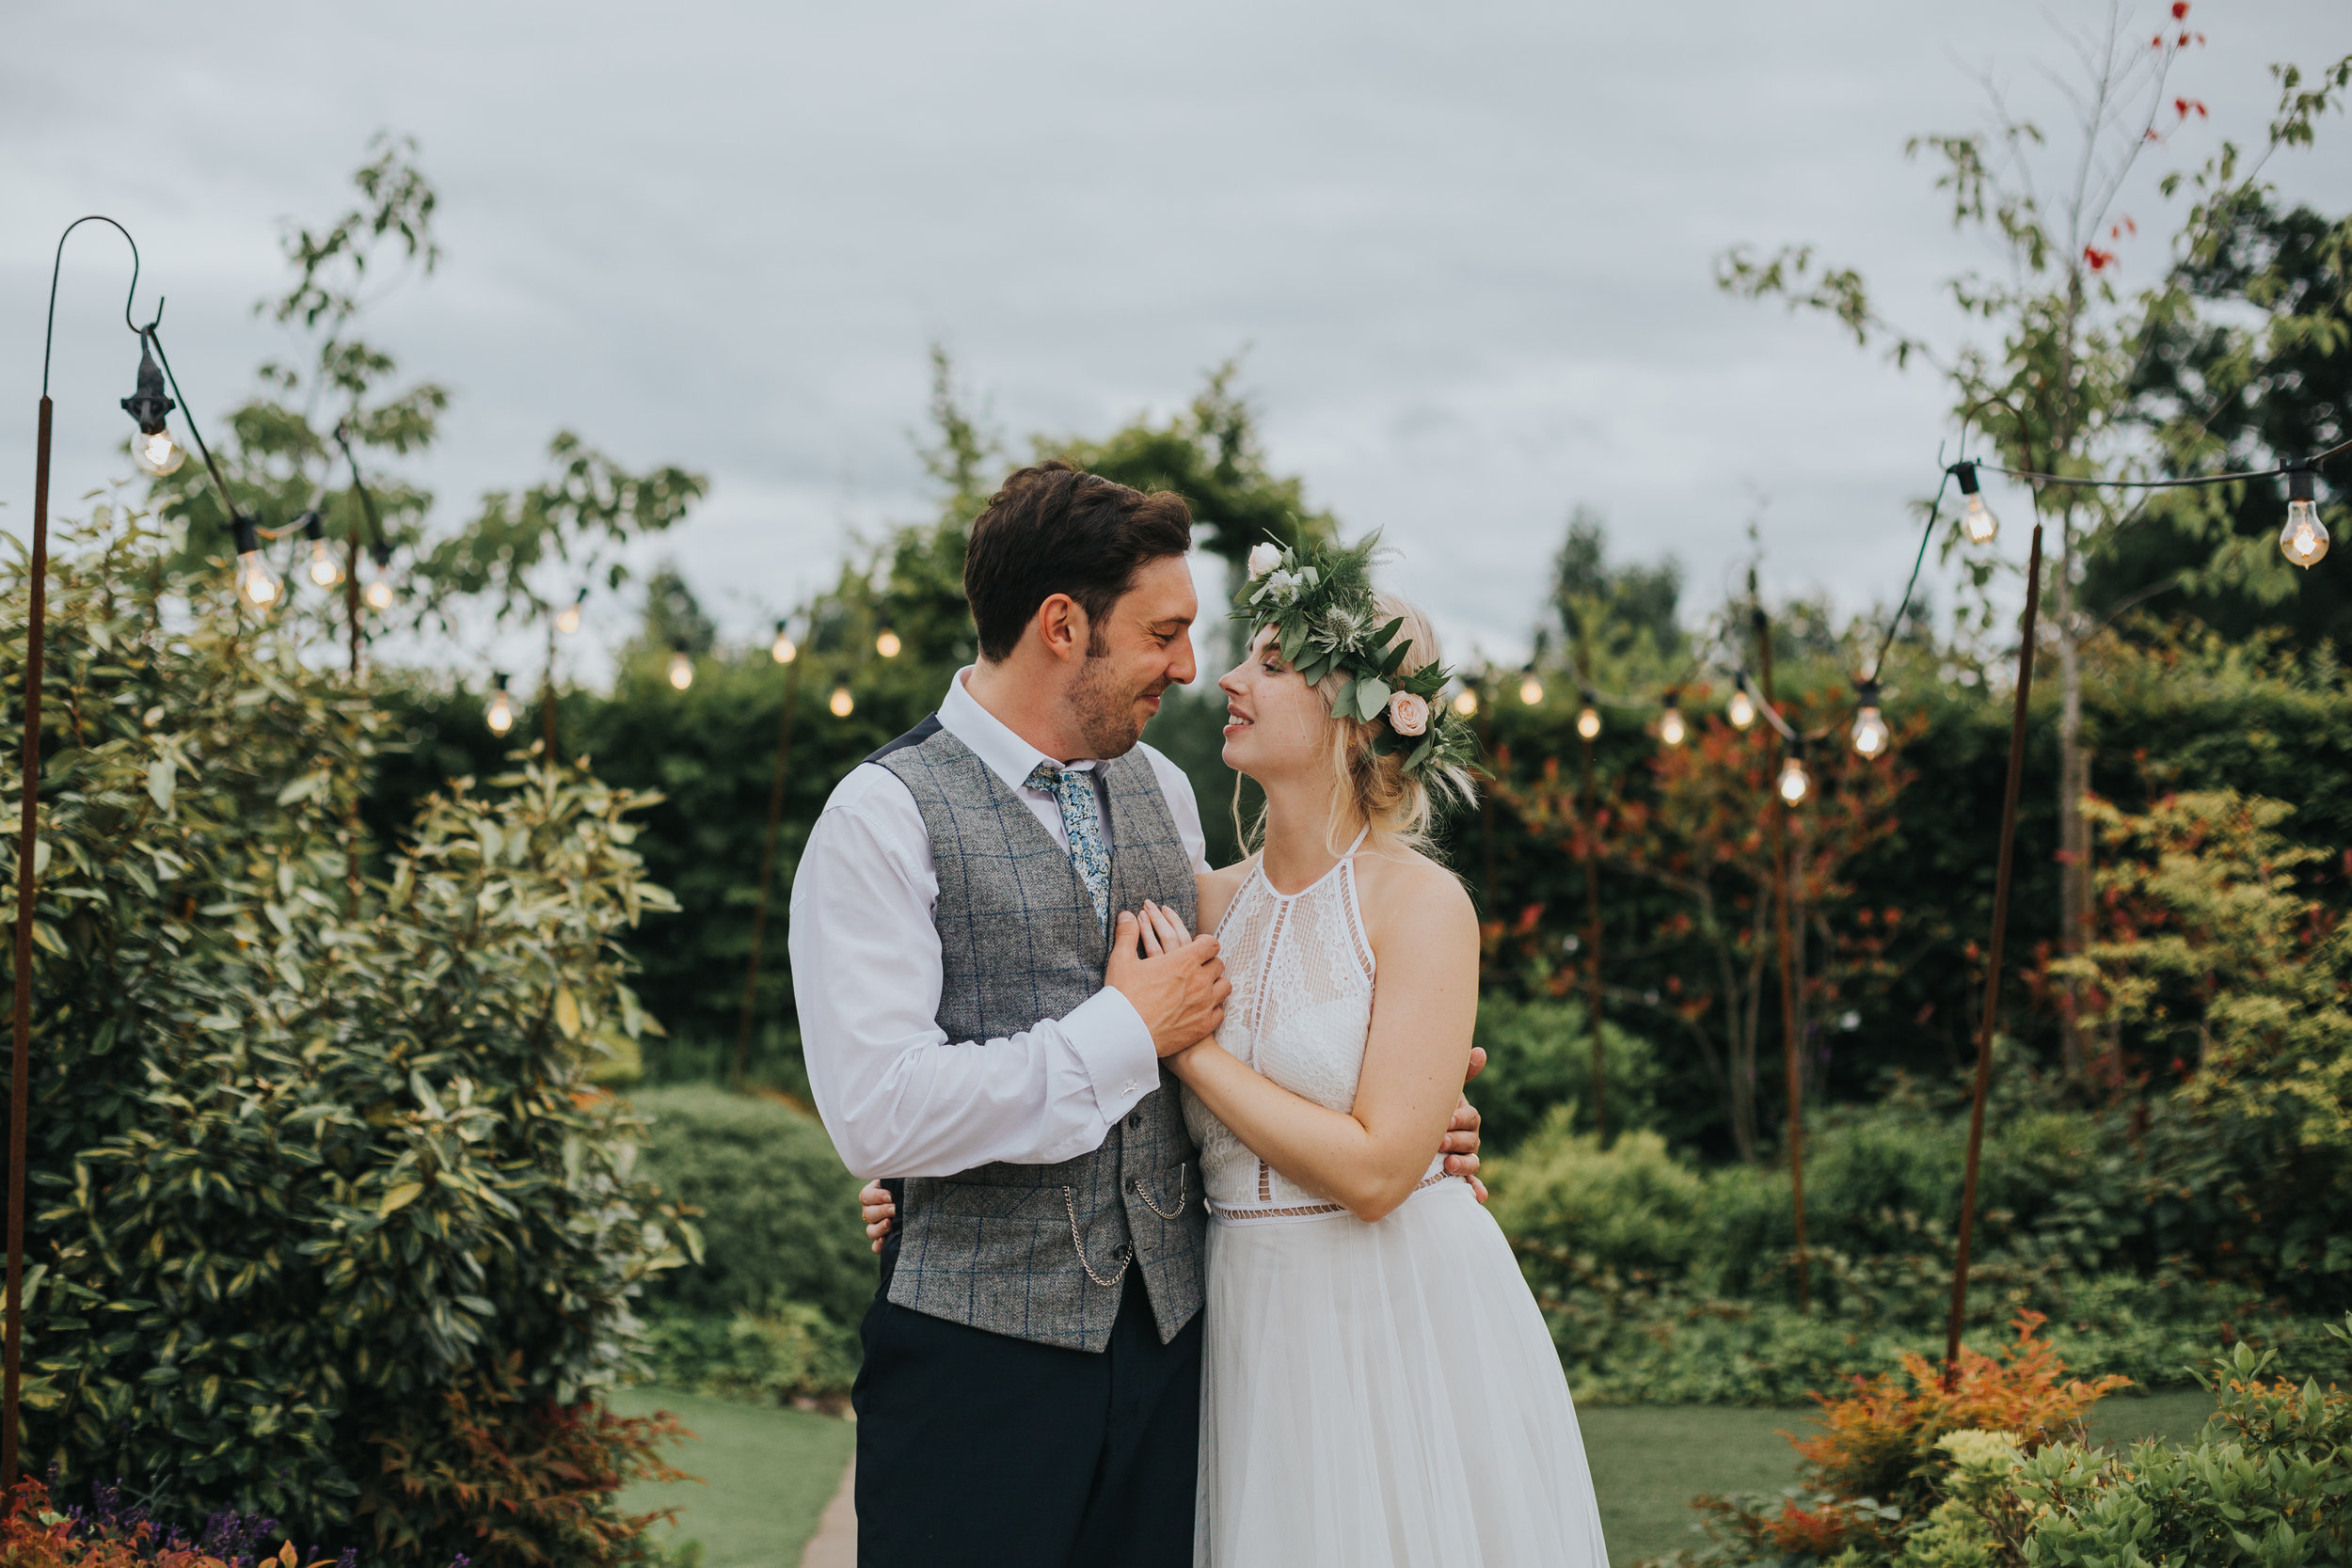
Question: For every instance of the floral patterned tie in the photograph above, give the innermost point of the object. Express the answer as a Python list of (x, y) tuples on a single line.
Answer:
[(1074, 793)]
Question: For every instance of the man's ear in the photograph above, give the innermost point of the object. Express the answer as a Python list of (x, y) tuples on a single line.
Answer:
[(1061, 625)]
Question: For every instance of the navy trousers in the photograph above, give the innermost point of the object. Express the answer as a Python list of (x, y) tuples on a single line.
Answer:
[(979, 1450)]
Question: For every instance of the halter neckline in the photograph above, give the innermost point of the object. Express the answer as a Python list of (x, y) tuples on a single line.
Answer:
[(1345, 860)]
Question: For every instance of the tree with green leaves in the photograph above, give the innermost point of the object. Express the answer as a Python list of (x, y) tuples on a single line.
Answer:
[(526, 553), (2061, 390)]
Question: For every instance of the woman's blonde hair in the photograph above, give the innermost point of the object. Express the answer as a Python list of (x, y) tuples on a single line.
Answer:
[(1398, 808)]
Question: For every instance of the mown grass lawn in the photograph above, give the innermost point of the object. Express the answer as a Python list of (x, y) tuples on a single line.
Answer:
[(768, 1474)]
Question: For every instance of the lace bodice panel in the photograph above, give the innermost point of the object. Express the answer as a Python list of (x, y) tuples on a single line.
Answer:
[(1299, 1012)]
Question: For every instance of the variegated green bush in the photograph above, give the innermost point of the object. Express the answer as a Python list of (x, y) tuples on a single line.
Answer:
[(326, 1205)]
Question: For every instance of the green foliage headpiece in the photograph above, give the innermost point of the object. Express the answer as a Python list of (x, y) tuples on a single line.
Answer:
[(1318, 599)]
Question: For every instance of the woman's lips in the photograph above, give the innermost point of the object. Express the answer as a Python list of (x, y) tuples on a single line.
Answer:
[(1235, 722)]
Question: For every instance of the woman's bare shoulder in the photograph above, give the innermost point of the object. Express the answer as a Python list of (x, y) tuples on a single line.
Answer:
[(1217, 889), (1404, 891)]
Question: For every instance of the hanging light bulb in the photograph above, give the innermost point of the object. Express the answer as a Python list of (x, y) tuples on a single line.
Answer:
[(841, 702), (323, 569), (886, 641), (1588, 719), (1671, 728), (2304, 540), (1870, 733), (1531, 689), (783, 650), (1794, 783), (500, 715), (568, 617), (378, 591), (681, 669), (154, 451), (1466, 702), (1741, 710), (257, 584), (1976, 519)]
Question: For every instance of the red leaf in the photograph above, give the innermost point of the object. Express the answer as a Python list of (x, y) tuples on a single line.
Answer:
[(2180, 9)]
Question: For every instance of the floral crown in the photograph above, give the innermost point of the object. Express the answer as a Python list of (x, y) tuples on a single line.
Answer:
[(1319, 602)]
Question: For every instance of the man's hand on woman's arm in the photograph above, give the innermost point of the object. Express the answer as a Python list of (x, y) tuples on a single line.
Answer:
[(1459, 1146), (1460, 1143)]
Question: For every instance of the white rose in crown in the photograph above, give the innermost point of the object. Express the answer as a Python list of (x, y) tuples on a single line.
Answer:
[(1408, 714), (1263, 559)]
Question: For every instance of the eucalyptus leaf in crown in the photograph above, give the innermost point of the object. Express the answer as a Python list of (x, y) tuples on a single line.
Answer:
[(1319, 602)]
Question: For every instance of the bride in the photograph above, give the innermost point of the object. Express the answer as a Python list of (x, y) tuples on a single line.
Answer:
[(1378, 1386)]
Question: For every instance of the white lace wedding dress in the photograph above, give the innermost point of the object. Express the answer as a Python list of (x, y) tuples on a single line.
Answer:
[(1370, 1394)]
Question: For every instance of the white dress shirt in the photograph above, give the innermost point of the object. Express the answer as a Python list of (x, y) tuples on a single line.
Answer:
[(897, 1096)]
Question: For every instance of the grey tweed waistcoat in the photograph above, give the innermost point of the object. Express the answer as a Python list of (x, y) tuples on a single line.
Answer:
[(1041, 1252)]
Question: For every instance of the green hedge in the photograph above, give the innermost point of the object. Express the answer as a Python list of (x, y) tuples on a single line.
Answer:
[(1665, 1281), (779, 1214), (1539, 1056)]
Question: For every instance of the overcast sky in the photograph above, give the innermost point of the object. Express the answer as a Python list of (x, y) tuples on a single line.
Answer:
[(1466, 248)]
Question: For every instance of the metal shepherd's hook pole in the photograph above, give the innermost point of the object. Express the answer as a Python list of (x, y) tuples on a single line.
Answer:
[(1993, 961), (1591, 805), (767, 869), (1789, 1059), (27, 846)]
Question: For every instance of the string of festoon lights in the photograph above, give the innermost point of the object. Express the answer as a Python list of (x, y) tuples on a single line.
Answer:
[(2303, 539), (498, 710)]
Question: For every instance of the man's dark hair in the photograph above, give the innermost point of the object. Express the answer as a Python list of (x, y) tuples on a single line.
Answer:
[(1055, 528)]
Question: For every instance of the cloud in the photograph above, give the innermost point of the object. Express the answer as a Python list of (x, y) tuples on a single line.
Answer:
[(1467, 249)]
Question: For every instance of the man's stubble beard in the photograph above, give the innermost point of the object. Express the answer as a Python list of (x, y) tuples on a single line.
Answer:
[(1105, 714)]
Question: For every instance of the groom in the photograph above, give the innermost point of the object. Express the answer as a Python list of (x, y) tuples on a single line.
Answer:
[(1031, 1388)]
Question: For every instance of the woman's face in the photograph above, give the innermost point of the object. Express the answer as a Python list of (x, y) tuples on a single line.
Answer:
[(1276, 726)]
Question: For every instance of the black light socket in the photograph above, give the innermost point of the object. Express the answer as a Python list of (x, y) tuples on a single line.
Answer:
[(149, 405)]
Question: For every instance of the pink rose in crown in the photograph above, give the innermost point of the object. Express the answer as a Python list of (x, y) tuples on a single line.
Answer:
[(1408, 714)]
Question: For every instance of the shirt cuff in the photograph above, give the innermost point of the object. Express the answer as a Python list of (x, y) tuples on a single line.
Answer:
[(1115, 1043)]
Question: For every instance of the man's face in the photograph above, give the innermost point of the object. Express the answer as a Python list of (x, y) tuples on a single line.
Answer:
[(1140, 649)]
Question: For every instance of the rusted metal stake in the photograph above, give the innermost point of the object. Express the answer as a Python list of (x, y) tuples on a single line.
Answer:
[(767, 872), (27, 839), (1992, 962), (1592, 959), (1787, 985)]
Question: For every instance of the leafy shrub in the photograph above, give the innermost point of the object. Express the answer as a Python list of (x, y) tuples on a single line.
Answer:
[(1630, 1207), (2268, 1482), (1885, 1453), (1881, 1439), (1539, 1056), (777, 1212), (529, 1480), (311, 1152), (112, 1534), (795, 1355)]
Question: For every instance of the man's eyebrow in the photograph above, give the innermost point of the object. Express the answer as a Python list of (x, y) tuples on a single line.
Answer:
[(1173, 621)]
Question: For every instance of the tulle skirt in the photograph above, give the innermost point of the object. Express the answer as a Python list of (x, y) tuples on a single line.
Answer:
[(1385, 1394)]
